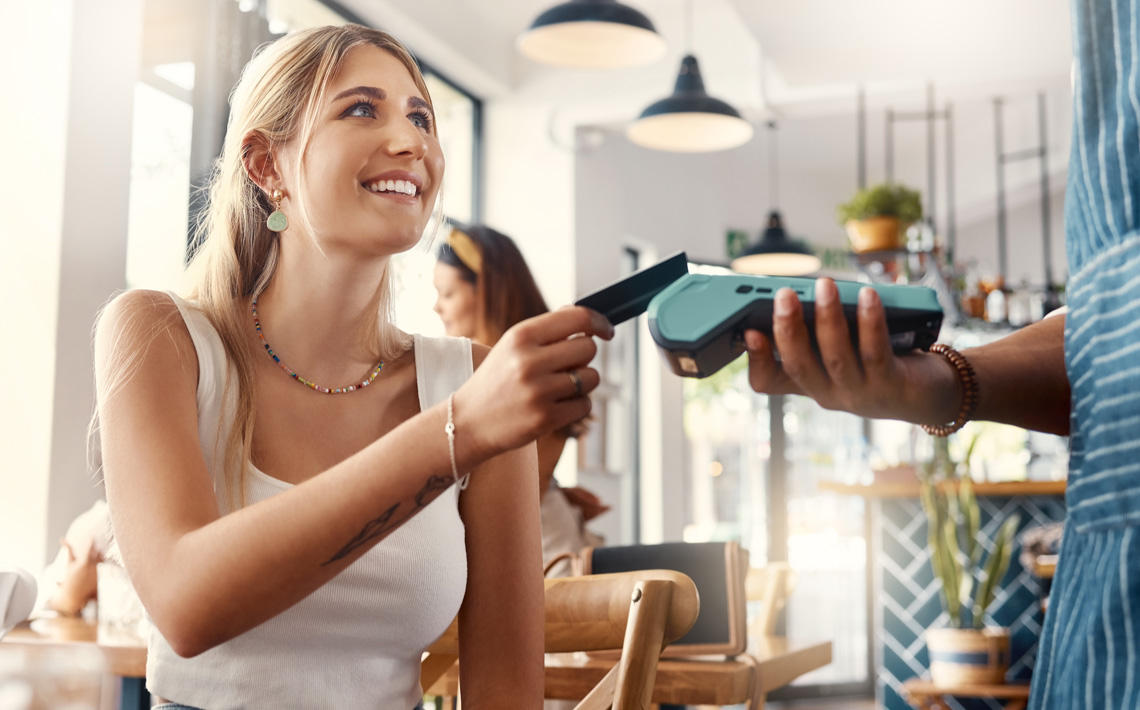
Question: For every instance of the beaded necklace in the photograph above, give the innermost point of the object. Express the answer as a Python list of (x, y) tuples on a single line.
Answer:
[(302, 380)]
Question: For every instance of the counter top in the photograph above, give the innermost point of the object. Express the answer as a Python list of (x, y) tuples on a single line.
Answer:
[(911, 490)]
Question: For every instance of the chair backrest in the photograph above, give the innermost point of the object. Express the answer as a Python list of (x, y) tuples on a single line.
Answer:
[(717, 568), (770, 585), (638, 613), (17, 597)]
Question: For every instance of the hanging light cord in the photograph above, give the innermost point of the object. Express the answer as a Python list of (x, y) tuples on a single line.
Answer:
[(688, 21), (773, 167)]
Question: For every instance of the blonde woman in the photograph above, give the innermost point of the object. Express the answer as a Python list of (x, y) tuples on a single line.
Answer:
[(281, 462)]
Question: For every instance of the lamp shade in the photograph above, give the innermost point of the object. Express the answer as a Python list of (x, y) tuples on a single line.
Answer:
[(776, 254), (592, 34), (689, 120)]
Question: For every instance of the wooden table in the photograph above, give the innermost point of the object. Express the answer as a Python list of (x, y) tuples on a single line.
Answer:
[(777, 662), (125, 658), (925, 695)]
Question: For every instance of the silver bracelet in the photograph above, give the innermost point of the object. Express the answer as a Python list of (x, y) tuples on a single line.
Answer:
[(450, 429)]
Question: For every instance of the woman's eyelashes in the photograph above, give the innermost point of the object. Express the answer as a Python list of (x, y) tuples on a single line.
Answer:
[(361, 109), (365, 108), (421, 118)]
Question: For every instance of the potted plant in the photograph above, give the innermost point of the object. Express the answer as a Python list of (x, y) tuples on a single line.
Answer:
[(877, 218), (965, 651)]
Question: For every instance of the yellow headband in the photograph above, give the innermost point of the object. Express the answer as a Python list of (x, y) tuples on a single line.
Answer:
[(466, 249)]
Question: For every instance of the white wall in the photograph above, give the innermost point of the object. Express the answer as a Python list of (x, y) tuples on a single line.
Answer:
[(977, 238), (107, 48), (29, 274), (67, 223)]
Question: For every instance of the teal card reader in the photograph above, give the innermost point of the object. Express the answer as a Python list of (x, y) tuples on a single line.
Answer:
[(698, 320)]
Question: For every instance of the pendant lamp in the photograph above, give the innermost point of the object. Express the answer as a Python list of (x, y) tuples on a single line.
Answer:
[(690, 121), (776, 254), (592, 34)]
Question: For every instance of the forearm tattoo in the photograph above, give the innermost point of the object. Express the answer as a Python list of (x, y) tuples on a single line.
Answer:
[(384, 524), (435, 486), (374, 529)]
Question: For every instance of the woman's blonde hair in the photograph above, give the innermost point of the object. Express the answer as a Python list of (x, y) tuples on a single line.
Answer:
[(277, 99)]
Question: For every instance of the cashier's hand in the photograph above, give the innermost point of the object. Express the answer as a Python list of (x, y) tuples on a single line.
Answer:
[(871, 382)]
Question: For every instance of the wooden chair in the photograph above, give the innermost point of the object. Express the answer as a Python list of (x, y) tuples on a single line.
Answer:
[(770, 585), (717, 569), (638, 613)]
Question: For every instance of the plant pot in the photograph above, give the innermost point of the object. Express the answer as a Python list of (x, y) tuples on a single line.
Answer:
[(968, 656), (876, 234)]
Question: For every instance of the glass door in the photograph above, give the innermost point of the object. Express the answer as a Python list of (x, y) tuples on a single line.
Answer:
[(752, 472), (826, 537)]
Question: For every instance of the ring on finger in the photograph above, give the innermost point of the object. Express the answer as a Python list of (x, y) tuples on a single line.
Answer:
[(577, 382)]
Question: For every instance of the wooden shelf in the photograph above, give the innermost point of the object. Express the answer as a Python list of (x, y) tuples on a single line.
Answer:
[(911, 490)]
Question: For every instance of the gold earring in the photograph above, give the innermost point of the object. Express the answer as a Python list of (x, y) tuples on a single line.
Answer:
[(277, 221)]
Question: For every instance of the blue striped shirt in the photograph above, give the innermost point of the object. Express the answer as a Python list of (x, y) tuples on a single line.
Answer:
[(1089, 656)]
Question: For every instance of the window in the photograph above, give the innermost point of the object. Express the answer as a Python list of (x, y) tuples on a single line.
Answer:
[(160, 178)]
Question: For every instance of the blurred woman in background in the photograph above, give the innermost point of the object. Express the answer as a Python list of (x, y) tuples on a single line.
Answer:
[(484, 287)]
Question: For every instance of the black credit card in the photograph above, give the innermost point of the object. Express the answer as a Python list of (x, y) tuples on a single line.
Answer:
[(630, 297)]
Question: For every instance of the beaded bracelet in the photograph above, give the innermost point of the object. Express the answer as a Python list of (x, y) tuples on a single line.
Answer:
[(967, 380), (450, 431)]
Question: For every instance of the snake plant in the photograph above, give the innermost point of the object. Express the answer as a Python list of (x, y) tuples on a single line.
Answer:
[(954, 523)]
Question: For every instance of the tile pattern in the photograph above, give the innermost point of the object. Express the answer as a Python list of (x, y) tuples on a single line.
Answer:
[(910, 601)]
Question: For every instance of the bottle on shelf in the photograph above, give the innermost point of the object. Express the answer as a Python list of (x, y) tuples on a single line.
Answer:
[(973, 298), (996, 310), (1019, 306)]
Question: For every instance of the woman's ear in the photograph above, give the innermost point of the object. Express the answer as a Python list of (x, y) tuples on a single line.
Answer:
[(260, 162)]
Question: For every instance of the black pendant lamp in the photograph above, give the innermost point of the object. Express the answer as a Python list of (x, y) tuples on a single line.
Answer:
[(592, 34), (689, 120), (776, 254)]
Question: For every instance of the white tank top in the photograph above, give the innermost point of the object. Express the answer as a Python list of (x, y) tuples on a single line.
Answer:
[(357, 641)]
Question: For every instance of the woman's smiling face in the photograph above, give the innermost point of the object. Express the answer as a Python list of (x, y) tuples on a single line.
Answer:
[(372, 168)]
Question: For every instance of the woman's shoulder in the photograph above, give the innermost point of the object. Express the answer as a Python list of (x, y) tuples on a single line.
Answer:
[(134, 320), (139, 304), (451, 346)]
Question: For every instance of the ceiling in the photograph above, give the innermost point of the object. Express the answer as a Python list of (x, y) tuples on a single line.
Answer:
[(790, 59), (808, 45), (960, 42)]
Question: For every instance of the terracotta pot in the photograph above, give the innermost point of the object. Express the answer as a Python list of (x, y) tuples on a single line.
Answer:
[(876, 233), (968, 656)]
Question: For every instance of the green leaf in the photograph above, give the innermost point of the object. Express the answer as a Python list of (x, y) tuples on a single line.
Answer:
[(996, 566), (969, 505), (952, 577), (970, 450), (942, 556)]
